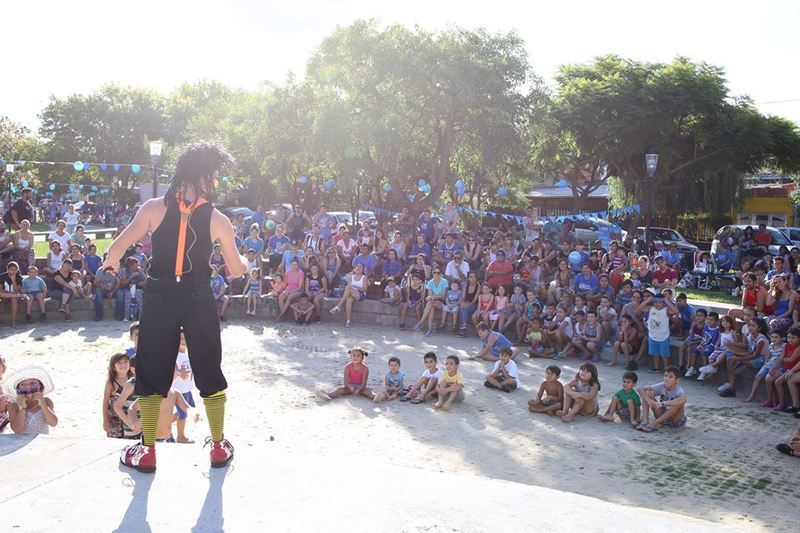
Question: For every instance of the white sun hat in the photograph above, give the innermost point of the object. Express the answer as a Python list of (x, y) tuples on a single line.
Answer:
[(31, 372)]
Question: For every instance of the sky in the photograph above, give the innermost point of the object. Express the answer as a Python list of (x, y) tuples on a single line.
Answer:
[(57, 48)]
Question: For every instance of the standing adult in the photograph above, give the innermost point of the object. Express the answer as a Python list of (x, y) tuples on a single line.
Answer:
[(297, 223), (326, 223), (179, 297), (21, 210), (6, 245), (530, 222)]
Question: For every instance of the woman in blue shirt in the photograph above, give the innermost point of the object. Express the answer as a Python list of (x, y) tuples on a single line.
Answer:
[(437, 290), (392, 266), (420, 247), (254, 241)]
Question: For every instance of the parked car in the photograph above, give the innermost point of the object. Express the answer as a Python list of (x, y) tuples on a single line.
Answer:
[(778, 238), (344, 217), (233, 212), (793, 234), (588, 230), (666, 236)]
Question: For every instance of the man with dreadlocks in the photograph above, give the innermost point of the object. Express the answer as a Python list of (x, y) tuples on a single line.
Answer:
[(183, 225)]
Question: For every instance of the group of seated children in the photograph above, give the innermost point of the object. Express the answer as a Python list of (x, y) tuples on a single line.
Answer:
[(446, 385), (665, 400)]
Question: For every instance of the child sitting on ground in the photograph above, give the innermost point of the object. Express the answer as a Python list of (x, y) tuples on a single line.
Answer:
[(626, 402), (30, 411), (119, 372), (776, 349), (355, 379), (550, 397), (393, 382), (504, 375), (666, 400), (303, 309), (425, 386), (580, 394), (392, 293), (451, 385)]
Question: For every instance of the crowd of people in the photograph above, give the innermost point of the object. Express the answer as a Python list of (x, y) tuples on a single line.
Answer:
[(532, 289)]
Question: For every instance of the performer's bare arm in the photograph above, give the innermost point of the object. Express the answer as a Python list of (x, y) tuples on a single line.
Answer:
[(149, 216), (222, 231)]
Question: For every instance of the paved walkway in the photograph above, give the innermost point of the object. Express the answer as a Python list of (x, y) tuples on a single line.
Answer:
[(71, 485)]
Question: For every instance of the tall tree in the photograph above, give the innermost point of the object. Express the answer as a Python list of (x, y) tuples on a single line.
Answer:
[(411, 100), (606, 115)]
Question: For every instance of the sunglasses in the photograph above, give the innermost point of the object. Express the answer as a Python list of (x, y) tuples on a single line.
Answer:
[(436, 272), (32, 390)]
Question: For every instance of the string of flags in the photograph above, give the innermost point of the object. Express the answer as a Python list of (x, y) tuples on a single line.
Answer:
[(79, 166), (610, 213)]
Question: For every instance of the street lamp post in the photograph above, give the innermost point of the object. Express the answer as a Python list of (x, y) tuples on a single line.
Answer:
[(650, 163), (155, 155), (10, 172)]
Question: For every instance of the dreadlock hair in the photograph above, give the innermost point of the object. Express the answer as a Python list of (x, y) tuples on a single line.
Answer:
[(200, 159)]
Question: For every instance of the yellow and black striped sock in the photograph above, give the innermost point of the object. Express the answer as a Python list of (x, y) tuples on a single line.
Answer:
[(215, 411), (149, 408)]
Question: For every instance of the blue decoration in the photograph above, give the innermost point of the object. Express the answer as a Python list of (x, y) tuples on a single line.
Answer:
[(14, 189), (574, 259), (115, 166), (329, 185), (103, 166), (94, 188), (421, 183), (136, 169), (52, 187), (563, 184), (24, 183), (78, 165), (387, 187), (303, 180), (460, 184), (502, 191), (86, 165), (2, 162), (411, 197)]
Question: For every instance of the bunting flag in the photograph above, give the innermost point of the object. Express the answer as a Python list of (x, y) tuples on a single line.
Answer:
[(81, 165)]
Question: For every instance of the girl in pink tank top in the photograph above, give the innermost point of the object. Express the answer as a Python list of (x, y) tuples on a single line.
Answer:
[(356, 375)]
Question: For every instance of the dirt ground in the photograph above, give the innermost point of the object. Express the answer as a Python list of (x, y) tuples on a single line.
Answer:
[(722, 467)]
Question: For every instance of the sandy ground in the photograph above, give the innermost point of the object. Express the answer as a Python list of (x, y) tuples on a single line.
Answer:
[(722, 467)]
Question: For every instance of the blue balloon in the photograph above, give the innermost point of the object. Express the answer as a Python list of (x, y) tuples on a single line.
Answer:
[(303, 180), (24, 183), (94, 187), (387, 187), (136, 169), (52, 186), (421, 183), (78, 165), (502, 191), (224, 179), (115, 166), (329, 185), (460, 184), (574, 259), (103, 166), (86, 165)]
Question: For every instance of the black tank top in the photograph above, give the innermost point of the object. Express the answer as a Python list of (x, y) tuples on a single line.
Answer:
[(198, 245)]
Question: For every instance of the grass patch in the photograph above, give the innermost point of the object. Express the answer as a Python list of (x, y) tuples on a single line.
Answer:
[(42, 248), (711, 296)]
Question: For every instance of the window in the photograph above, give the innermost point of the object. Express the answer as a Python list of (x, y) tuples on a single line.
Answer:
[(777, 220)]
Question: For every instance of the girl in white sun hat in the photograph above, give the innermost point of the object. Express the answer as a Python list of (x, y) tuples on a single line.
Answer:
[(29, 410)]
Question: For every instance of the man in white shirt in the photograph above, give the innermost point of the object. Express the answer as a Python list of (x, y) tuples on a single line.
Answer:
[(457, 269)]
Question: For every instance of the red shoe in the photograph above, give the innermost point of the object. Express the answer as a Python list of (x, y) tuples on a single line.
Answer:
[(221, 452), (140, 457)]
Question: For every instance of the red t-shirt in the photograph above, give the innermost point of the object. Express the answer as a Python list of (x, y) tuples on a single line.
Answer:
[(787, 354), (763, 238), (662, 276), (505, 268)]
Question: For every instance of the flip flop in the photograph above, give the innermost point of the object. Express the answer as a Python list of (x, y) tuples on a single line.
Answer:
[(417, 401), (405, 399), (785, 449), (648, 429), (185, 441)]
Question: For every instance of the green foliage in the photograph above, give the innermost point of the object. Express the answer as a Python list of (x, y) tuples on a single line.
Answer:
[(700, 226)]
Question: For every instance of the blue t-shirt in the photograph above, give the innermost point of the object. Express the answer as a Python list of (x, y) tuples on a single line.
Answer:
[(584, 258), (425, 250), (724, 259), (501, 342), (584, 285), (368, 261), (218, 285), (710, 337), (395, 380), (453, 296), (392, 268), (437, 290), (686, 313), (256, 244), (31, 285), (93, 262), (288, 255), (276, 242), (672, 258), (448, 253), (426, 227), (325, 222)]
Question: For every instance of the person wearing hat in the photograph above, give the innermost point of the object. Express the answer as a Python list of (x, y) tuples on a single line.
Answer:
[(30, 411), (664, 277), (184, 223)]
